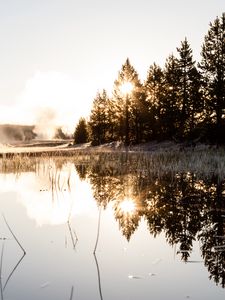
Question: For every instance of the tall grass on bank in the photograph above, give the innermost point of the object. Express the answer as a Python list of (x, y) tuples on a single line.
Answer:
[(201, 161)]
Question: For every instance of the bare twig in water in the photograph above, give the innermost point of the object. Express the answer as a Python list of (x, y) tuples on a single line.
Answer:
[(98, 231), (13, 235), (1, 271), (68, 182), (74, 242), (71, 293), (99, 278), (14, 269), (65, 241), (75, 234)]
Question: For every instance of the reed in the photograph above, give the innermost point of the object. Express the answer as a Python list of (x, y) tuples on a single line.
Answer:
[(1, 263), (98, 230), (71, 293), (14, 235), (204, 161)]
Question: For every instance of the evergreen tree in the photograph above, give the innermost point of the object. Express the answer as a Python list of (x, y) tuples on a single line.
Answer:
[(169, 106), (196, 110), (154, 92), (189, 89), (81, 132), (212, 68), (99, 120), (130, 101)]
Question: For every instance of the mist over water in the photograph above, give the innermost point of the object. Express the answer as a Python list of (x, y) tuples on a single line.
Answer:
[(48, 101)]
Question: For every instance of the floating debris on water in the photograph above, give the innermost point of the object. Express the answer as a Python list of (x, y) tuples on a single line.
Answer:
[(46, 284), (134, 277), (151, 274), (157, 261)]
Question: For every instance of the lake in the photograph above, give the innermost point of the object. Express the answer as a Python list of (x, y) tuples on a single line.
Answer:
[(93, 228)]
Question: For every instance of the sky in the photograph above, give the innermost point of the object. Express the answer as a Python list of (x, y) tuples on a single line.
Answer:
[(56, 54)]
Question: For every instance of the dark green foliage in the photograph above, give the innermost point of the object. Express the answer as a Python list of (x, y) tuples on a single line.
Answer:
[(81, 132)]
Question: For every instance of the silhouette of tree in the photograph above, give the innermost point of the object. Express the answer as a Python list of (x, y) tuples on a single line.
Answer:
[(212, 67), (189, 89), (169, 107), (129, 104), (81, 132), (154, 86), (99, 119)]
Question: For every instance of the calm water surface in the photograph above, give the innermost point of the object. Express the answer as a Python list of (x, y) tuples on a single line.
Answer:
[(155, 237)]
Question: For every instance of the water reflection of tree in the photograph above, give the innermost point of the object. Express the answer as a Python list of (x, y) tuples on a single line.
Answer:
[(82, 171), (183, 206), (212, 235), (169, 207)]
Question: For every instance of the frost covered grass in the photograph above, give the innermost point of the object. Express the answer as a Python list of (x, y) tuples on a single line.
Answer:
[(203, 161)]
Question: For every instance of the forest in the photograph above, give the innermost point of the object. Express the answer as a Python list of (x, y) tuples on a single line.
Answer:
[(183, 101)]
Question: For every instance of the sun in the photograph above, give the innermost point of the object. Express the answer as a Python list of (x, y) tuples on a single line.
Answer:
[(126, 87)]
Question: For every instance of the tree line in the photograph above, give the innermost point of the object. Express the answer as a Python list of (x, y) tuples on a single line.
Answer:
[(183, 101)]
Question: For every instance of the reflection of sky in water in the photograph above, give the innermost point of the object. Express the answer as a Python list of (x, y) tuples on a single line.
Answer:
[(49, 203), (143, 268)]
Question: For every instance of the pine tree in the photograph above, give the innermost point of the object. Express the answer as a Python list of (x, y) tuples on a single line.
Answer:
[(99, 119), (169, 106), (81, 132), (189, 89), (212, 68), (196, 110), (154, 91), (130, 100)]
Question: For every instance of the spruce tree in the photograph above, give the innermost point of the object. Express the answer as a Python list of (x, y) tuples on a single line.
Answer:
[(154, 93), (81, 132), (129, 104), (189, 89), (169, 106), (212, 67), (99, 122)]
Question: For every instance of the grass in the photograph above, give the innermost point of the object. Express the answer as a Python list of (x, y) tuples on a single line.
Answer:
[(204, 161)]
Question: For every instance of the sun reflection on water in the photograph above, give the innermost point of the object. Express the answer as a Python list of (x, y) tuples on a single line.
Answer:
[(127, 206)]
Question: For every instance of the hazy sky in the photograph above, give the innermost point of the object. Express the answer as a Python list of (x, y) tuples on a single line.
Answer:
[(55, 54)]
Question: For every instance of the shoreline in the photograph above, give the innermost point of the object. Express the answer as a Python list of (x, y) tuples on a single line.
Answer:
[(65, 148)]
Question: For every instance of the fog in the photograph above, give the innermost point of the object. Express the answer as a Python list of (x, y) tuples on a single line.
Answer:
[(49, 100)]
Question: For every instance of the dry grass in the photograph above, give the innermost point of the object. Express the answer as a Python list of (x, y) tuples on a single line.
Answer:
[(201, 160)]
